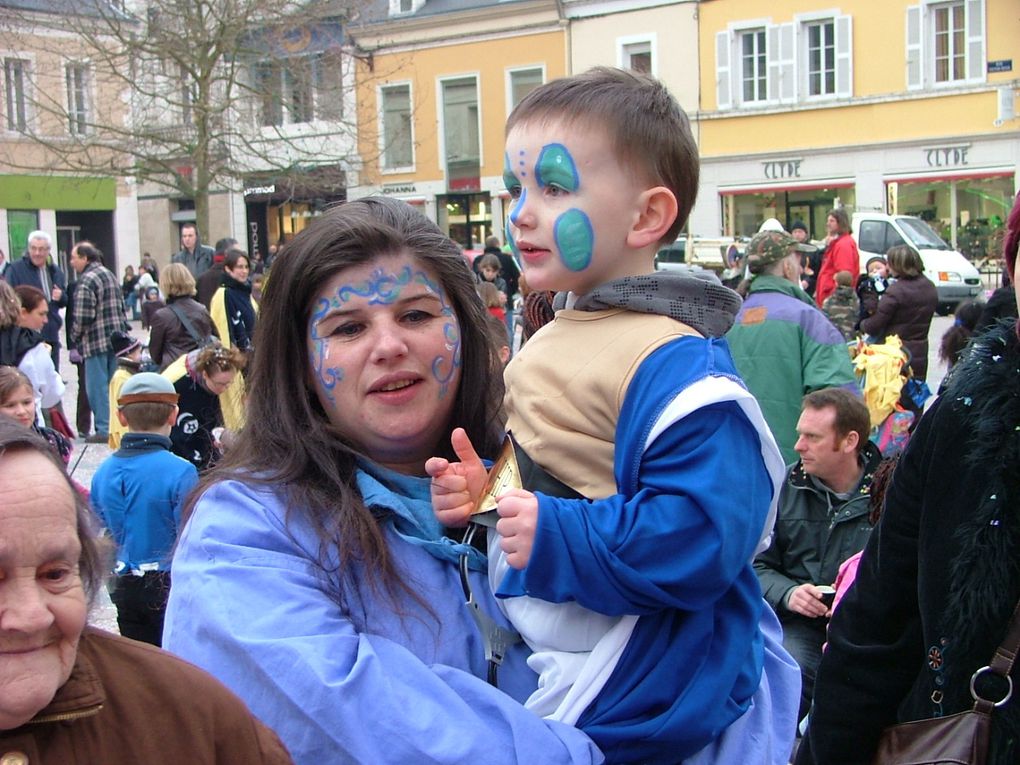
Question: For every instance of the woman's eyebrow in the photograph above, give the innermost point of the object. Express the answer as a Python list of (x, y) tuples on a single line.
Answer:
[(347, 310)]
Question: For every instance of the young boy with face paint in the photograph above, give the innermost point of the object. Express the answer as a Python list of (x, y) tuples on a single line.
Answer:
[(635, 592)]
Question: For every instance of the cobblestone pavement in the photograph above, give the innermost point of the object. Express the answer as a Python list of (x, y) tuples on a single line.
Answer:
[(87, 457)]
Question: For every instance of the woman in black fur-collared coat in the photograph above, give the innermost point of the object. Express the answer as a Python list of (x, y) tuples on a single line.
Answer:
[(940, 576)]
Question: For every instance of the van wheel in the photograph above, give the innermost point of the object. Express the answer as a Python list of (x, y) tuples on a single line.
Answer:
[(944, 309)]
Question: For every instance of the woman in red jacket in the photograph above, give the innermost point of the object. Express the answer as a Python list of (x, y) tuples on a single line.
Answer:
[(840, 255)]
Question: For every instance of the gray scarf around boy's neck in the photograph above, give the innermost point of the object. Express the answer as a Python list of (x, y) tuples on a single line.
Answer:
[(707, 307)]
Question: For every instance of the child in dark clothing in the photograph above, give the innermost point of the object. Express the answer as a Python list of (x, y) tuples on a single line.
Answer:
[(150, 304), (139, 492)]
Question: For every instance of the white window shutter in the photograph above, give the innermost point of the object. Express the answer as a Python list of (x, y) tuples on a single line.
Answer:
[(974, 27), (844, 57), (773, 63), (723, 71), (915, 51), (787, 65)]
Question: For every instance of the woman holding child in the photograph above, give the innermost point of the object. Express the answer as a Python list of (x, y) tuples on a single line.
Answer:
[(312, 577)]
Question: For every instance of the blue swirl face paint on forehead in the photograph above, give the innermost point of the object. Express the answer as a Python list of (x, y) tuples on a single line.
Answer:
[(555, 167)]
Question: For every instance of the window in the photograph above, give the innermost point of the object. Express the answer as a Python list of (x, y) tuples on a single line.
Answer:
[(878, 236), (760, 64), (638, 57), (522, 82), (821, 58), (298, 86), (268, 83), (186, 97), (299, 90), (77, 77), (945, 43), (400, 7), (461, 134), (16, 83), (637, 53), (398, 144), (753, 65), (949, 42)]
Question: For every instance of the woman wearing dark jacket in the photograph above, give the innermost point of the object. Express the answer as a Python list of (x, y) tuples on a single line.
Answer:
[(169, 339), (906, 307), (939, 580), (232, 307)]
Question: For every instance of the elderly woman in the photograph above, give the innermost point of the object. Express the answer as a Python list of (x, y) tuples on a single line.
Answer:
[(183, 324), (71, 693), (313, 577), (25, 349)]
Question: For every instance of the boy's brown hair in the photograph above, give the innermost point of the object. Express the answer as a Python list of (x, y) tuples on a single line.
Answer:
[(647, 128), (843, 279), (146, 416)]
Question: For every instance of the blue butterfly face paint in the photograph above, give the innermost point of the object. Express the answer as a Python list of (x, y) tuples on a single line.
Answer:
[(384, 347)]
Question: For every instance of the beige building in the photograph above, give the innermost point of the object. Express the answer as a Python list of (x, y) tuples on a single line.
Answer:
[(50, 177)]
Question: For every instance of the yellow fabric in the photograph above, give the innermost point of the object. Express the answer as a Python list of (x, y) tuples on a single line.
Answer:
[(116, 429), (232, 399), (881, 365)]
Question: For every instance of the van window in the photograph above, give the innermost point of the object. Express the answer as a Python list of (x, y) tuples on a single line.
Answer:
[(878, 236), (922, 235)]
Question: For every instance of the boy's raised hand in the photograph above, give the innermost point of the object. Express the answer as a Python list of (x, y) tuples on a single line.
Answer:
[(456, 486)]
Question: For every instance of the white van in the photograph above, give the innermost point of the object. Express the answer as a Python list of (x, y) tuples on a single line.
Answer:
[(953, 275)]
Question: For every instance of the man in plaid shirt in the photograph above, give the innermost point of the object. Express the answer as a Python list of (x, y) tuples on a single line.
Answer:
[(98, 311)]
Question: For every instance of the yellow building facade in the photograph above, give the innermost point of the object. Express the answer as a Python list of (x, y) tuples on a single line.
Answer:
[(434, 92), (905, 107)]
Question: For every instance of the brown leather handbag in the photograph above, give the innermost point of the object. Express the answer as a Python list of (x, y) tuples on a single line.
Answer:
[(960, 739)]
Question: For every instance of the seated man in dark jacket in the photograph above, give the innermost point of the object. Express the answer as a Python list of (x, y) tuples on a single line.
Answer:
[(822, 521)]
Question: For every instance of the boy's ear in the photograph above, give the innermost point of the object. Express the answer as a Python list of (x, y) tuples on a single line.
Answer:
[(657, 210), (121, 418), (171, 419)]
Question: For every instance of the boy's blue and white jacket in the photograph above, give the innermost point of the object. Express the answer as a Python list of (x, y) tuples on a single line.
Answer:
[(651, 583)]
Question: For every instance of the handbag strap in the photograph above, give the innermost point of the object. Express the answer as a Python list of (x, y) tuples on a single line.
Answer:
[(188, 326), (1001, 665)]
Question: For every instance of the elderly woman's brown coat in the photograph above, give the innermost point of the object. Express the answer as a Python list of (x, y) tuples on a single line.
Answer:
[(128, 703)]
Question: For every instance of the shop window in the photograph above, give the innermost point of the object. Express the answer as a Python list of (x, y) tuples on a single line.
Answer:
[(397, 137), (76, 76), (945, 43), (636, 54), (16, 88), (522, 82)]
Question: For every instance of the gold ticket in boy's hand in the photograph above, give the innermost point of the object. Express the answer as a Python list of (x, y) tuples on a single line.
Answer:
[(504, 474)]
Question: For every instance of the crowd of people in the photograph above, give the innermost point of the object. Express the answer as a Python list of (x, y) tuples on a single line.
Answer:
[(663, 529)]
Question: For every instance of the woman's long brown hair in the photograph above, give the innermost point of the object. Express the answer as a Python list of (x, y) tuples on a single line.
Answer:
[(288, 442)]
